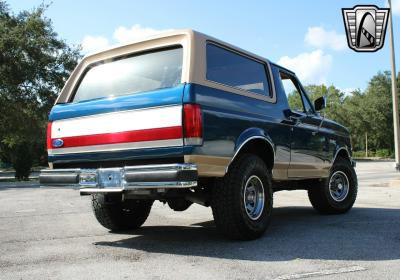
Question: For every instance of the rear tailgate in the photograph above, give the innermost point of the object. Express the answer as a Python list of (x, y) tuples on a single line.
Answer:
[(141, 125)]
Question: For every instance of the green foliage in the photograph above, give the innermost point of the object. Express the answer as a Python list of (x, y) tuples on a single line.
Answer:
[(294, 101), (368, 112), (381, 153), (34, 65), (358, 154)]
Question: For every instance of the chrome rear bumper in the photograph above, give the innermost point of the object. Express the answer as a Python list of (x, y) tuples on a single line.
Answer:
[(119, 179)]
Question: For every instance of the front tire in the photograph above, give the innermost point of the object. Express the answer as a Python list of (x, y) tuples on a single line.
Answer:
[(337, 194), (117, 215), (242, 201)]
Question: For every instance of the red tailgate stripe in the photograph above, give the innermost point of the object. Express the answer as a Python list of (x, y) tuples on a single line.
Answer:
[(153, 134)]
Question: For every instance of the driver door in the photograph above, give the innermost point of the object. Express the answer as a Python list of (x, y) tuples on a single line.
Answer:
[(307, 143)]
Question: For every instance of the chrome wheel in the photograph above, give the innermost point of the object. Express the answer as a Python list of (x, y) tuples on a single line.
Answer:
[(254, 198), (339, 186)]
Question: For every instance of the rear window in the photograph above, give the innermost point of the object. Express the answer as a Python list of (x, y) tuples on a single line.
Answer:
[(128, 75), (232, 69)]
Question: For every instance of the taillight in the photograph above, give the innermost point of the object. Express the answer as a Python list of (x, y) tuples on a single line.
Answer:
[(192, 124), (49, 136)]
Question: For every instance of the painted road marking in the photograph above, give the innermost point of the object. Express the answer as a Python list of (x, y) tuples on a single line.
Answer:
[(321, 273)]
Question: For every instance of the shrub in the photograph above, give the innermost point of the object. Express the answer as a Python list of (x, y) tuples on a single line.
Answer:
[(381, 153), (359, 154), (385, 153), (22, 160)]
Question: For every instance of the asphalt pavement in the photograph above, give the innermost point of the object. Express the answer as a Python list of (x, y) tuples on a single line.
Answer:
[(52, 234)]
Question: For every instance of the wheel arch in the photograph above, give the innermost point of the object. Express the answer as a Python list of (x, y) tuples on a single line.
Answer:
[(341, 152), (255, 141)]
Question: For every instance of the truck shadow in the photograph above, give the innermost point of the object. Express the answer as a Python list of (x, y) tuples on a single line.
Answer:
[(4, 185), (295, 232)]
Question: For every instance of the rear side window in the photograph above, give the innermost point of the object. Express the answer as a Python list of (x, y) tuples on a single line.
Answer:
[(129, 75), (232, 69)]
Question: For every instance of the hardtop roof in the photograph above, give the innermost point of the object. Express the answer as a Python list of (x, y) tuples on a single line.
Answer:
[(193, 34)]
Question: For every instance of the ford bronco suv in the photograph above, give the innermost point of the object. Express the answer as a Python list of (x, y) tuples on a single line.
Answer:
[(185, 118)]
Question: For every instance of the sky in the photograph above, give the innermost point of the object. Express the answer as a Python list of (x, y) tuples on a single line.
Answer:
[(306, 36)]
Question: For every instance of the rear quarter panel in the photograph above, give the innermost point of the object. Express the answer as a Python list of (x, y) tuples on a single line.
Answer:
[(229, 119)]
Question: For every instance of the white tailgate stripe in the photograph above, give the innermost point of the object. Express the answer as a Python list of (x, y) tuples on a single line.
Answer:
[(118, 147), (118, 122)]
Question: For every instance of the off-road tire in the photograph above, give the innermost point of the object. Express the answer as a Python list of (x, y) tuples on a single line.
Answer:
[(117, 215), (227, 200), (319, 193)]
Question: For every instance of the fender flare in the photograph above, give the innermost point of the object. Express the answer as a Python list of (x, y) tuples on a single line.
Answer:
[(247, 136), (338, 151)]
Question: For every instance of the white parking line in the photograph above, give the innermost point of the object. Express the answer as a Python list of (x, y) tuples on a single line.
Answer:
[(321, 273), (26, 211)]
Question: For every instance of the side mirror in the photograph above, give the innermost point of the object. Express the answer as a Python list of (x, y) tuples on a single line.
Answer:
[(320, 103)]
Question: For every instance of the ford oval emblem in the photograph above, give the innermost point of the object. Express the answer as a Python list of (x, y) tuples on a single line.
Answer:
[(57, 143)]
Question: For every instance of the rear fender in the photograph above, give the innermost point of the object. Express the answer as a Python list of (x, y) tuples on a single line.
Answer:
[(245, 139)]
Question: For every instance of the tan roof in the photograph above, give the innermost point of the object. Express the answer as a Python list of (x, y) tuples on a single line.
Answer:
[(192, 34), (193, 67)]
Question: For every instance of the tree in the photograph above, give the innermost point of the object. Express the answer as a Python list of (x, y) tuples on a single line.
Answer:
[(34, 65), (378, 113), (362, 112)]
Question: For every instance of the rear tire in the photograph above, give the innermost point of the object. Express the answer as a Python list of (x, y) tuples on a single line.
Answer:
[(337, 194), (117, 215), (236, 198)]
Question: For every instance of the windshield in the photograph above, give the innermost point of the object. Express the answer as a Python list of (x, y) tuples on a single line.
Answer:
[(128, 75)]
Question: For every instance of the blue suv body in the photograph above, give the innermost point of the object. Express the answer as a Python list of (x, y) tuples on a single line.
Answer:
[(183, 117)]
